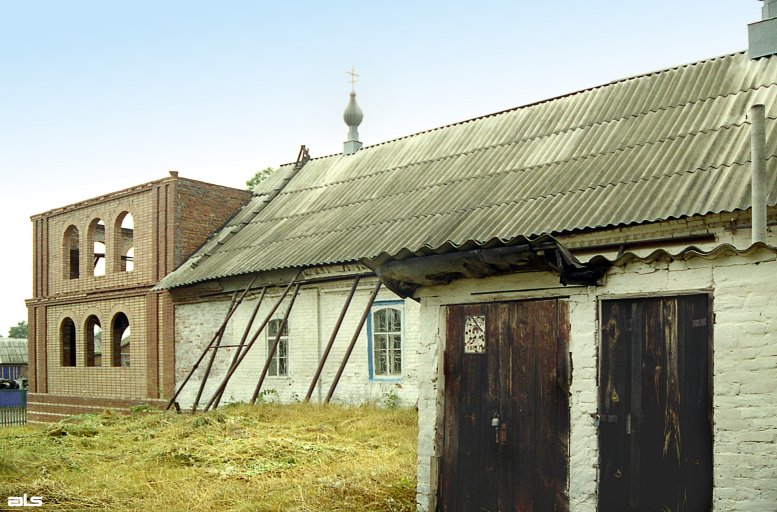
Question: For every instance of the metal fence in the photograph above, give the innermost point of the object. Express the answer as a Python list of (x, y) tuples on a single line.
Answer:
[(13, 407)]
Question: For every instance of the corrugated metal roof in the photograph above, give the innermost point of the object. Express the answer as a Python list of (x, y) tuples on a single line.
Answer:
[(664, 145), (13, 351), (687, 253)]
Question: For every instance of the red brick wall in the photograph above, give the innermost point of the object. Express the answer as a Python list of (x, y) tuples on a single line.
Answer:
[(172, 218), (201, 209)]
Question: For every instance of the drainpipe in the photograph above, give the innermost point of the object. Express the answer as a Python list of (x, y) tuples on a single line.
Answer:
[(758, 172)]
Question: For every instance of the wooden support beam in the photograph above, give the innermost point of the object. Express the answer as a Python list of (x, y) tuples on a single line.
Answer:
[(271, 351), (214, 348), (331, 341), (220, 390), (240, 345), (219, 332), (355, 337)]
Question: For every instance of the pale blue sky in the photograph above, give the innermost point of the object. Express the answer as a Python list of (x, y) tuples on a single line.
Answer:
[(98, 96)]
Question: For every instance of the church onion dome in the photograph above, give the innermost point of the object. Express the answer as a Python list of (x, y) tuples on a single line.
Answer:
[(353, 114)]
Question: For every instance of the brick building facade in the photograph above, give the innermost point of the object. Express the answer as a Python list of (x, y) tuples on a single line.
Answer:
[(99, 337)]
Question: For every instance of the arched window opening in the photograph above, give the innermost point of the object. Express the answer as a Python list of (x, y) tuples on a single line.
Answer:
[(279, 365), (93, 349), (70, 253), (120, 340), (67, 337), (97, 240), (125, 242)]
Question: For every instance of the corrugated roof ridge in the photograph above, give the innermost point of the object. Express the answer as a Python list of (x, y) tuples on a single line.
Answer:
[(673, 68), (532, 138), (541, 102), (503, 203), (520, 169)]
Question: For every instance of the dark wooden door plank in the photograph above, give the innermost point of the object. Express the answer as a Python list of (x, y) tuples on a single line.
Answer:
[(663, 452)]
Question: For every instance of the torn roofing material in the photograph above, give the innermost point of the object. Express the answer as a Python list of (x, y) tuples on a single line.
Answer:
[(664, 145)]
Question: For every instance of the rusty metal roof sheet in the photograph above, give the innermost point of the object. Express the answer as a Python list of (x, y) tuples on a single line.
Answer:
[(663, 145)]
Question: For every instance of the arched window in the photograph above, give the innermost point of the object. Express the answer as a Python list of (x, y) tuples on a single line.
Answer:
[(124, 242), (279, 365), (93, 346), (97, 242), (70, 252), (67, 338), (386, 340), (120, 340)]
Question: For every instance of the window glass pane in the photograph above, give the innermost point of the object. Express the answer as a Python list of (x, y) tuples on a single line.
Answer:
[(380, 363), (388, 320), (282, 370), (273, 370), (282, 347), (272, 328), (380, 320), (394, 321), (396, 342), (397, 363), (380, 342)]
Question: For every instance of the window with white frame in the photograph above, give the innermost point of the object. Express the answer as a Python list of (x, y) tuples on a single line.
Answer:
[(386, 334), (279, 365)]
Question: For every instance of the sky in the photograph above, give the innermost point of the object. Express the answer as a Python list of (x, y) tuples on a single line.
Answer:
[(99, 96)]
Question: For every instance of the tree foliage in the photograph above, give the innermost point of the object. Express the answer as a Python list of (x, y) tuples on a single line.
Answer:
[(20, 331), (259, 177)]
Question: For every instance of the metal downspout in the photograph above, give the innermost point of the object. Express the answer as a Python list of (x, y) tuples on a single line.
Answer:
[(758, 173)]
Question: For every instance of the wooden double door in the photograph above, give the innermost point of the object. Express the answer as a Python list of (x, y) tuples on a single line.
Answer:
[(655, 425), (506, 430)]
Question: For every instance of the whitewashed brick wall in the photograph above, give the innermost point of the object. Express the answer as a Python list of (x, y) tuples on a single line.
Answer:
[(311, 321), (744, 369)]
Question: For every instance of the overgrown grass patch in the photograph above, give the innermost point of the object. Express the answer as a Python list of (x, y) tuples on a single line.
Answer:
[(267, 457)]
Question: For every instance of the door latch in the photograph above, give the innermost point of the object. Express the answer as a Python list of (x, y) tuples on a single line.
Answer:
[(500, 430)]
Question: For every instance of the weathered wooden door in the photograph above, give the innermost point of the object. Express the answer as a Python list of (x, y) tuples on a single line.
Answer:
[(655, 429), (506, 438)]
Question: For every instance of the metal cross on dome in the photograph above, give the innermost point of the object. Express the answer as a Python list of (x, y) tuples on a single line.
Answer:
[(354, 76)]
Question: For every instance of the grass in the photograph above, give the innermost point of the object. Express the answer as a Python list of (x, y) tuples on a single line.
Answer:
[(267, 457)]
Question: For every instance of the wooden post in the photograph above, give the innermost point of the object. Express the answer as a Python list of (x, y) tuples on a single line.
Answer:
[(331, 341), (353, 343), (213, 349), (232, 308), (220, 390), (271, 352), (244, 338)]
